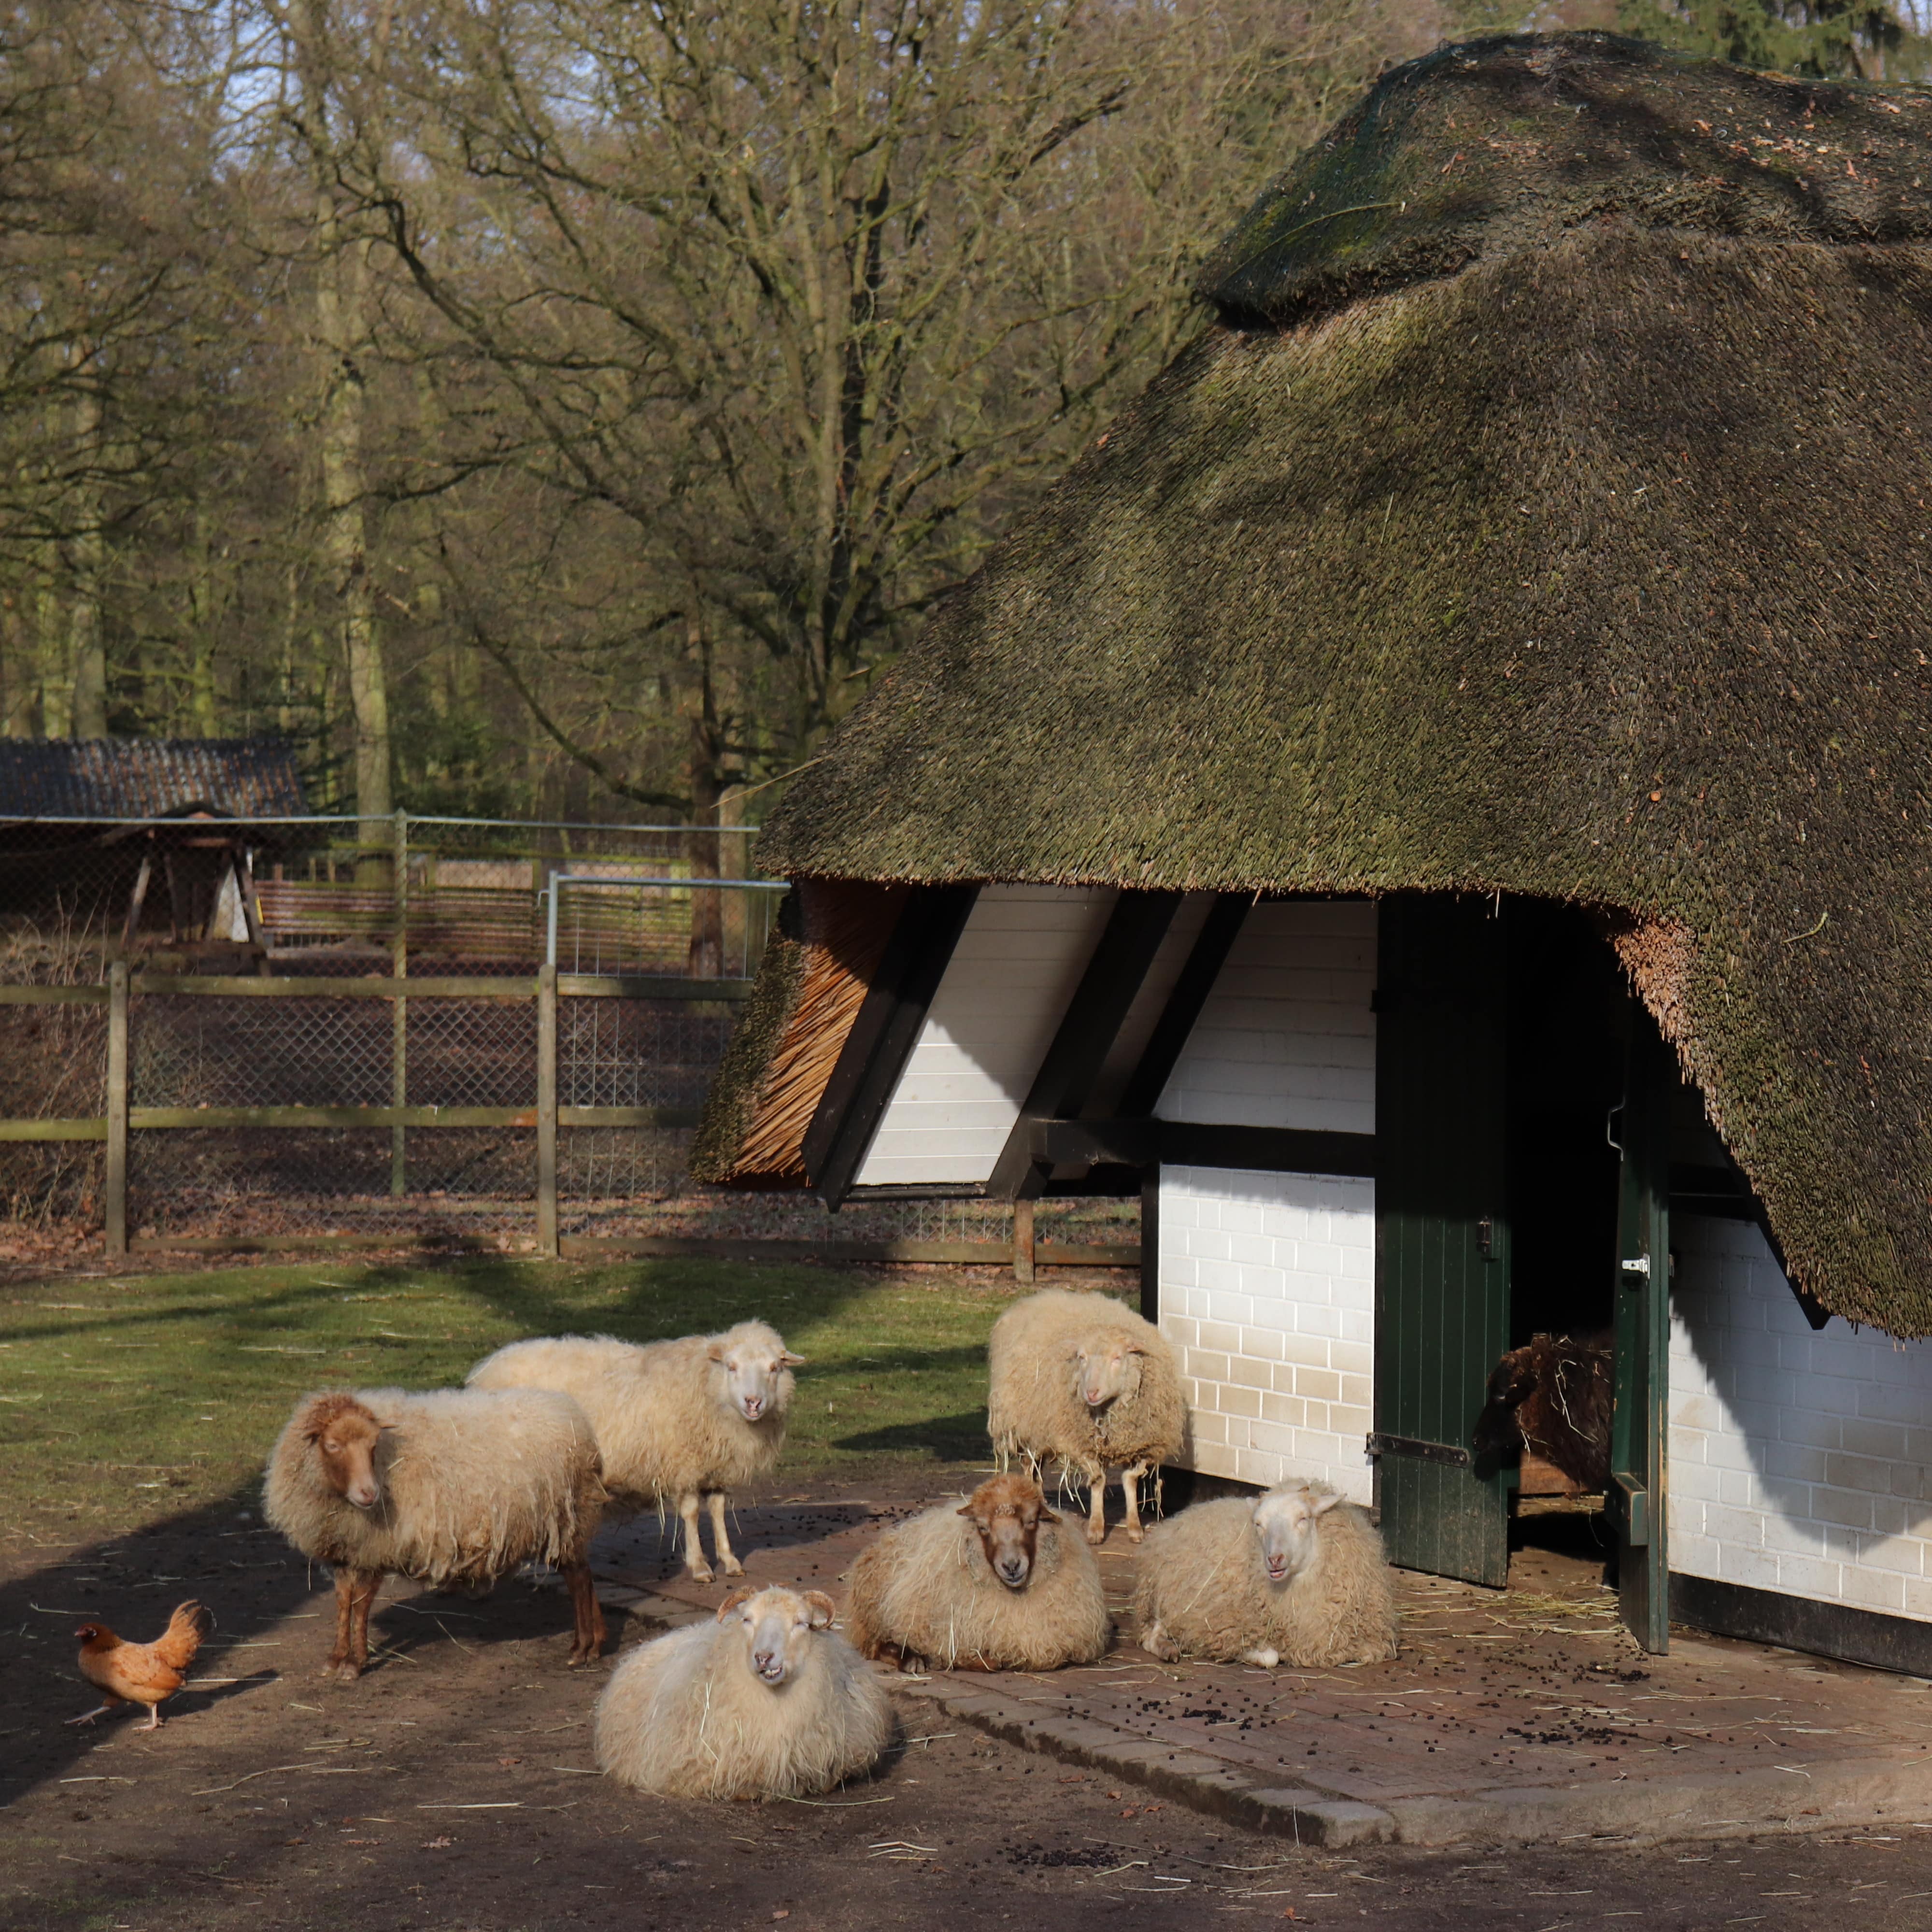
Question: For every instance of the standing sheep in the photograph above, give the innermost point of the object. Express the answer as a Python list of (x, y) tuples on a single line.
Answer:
[(1080, 1380), (675, 1420), (1297, 1577), (997, 1585), (1554, 1396), (451, 1487), (764, 1701)]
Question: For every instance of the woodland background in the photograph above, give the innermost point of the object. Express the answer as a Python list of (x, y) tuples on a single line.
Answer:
[(566, 407)]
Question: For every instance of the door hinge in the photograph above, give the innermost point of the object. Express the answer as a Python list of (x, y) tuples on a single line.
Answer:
[(1445, 1453), (1486, 1237), (1635, 1510)]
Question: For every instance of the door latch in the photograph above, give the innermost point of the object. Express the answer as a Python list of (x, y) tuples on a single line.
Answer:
[(1636, 1264), (1485, 1238)]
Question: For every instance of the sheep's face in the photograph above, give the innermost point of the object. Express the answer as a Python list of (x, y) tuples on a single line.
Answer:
[(345, 1435), (1285, 1527), (777, 1626), (1512, 1382), (1105, 1369), (756, 1368), (1007, 1512)]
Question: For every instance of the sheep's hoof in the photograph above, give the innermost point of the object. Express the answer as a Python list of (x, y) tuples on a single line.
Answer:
[(341, 1670), (1267, 1659), (733, 1568), (700, 1573), (578, 1658), (1096, 1533), (1156, 1643), (1135, 1532)]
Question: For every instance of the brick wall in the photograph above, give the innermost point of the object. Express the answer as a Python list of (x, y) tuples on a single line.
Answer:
[(1267, 1292), (1799, 1459)]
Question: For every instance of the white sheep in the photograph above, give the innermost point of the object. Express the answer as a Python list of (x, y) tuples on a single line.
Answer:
[(1080, 1380), (765, 1701), (453, 1487), (679, 1421), (1296, 1577), (998, 1585)]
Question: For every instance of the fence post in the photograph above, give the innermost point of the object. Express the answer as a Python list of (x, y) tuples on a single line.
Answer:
[(117, 1107), (547, 1242), (399, 1078), (1023, 1242)]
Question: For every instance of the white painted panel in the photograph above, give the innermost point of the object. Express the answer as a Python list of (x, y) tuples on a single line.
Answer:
[(1267, 1293), (1801, 1459), (1010, 981), (1287, 1039)]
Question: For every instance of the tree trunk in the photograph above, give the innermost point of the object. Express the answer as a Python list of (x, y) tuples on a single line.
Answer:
[(707, 907), (87, 651)]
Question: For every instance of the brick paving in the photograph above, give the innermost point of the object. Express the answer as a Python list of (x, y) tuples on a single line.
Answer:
[(1519, 1714)]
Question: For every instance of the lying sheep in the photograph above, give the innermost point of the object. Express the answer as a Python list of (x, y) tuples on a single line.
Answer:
[(997, 1585), (764, 1701), (454, 1488), (1554, 1396), (1080, 1380), (1297, 1577), (675, 1420)]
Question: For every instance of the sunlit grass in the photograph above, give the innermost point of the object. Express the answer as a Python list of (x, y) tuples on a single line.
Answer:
[(122, 1402)]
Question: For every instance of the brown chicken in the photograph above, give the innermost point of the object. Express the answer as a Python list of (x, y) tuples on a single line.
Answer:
[(140, 1673)]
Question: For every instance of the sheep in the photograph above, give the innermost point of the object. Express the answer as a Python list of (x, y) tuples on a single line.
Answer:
[(1080, 1379), (765, 1701), (1554, 1396), (684, 1420), (1297, 1577), (997, 1584), (454, 1488)]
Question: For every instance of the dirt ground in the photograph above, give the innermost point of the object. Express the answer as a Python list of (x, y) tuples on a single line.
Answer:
[(452, 1790)]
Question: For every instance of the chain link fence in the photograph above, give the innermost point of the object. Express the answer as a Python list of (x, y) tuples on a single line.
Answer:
[(333, 1031)]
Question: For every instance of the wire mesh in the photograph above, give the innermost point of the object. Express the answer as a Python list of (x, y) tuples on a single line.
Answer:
[(698, 928), (638, 1053), (469, 1053)]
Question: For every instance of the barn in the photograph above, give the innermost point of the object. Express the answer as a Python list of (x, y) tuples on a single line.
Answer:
[(1436, 798)]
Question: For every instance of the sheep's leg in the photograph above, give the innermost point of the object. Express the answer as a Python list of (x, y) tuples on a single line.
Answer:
[(355, 1594), (587, 1614), (1130, 1490), (1096, 1505), (694, 1550), (1157, 1642), (720, 1543), (370, 1581)]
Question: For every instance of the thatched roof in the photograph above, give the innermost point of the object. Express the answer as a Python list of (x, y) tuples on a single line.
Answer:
[(1556, 522)]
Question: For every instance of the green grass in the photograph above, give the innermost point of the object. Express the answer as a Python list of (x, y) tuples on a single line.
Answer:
[(125, 1402)]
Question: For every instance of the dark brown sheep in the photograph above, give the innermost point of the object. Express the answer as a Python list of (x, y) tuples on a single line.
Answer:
[(1553, 1396)]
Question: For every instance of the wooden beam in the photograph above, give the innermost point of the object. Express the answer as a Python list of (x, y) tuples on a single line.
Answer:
[(116, 1180), (883, 1036), (1051, 1254), (1146, 1143), (1086, 1034), (384, 986), (1162, 1052)]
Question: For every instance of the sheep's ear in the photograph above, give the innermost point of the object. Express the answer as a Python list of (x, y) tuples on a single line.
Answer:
[(716, 1351), (1047, 1515), (789, 1361), (822, 1608), (965, 1509), (1323, 1504), (732, 1602), (1137, 1347)]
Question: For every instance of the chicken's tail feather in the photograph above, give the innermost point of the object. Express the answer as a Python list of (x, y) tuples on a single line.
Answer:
[(177, 1645)]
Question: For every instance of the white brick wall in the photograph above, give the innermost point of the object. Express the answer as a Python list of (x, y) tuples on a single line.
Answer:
[(1268, 1292), (1286, 1039), (1799, 1459)]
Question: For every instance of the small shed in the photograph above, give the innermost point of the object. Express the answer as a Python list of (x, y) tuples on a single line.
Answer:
[(1438, 796), (145, 839)]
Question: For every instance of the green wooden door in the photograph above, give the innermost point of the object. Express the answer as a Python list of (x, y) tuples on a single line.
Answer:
[(1442, 1267), (1635, 1501)]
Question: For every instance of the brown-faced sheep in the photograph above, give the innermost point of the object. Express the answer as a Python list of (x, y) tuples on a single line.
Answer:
[(1554, 1396), (998, 1584), (675, 1421), (453, 1487), (1080, 1380), (1296, 1577), (764, 1701)]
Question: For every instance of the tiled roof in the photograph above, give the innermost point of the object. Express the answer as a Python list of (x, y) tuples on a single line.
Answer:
[(148, 777)]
